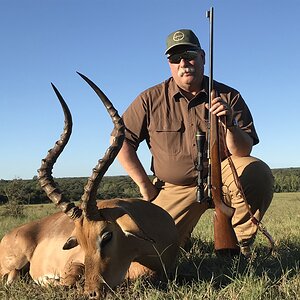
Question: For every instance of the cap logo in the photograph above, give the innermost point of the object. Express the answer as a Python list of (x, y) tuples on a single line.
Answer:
[(178, 36)]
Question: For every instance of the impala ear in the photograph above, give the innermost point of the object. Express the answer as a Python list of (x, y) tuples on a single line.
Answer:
[(70, 243), (127, 222), (130, 227)]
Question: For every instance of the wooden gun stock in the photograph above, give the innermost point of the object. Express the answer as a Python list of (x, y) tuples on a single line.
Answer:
[(224, 236)]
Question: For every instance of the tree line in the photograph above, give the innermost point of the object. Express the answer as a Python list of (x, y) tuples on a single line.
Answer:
[(287, 180), (29, 191)]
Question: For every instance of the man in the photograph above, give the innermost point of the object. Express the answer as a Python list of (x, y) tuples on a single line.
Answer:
[(168, 116)]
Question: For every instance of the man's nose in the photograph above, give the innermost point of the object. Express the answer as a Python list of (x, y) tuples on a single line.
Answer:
[(183, 62)]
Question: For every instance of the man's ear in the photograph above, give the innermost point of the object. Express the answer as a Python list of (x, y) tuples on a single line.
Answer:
[(203, 55)]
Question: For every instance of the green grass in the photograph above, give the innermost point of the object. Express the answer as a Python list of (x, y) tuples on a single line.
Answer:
[(200, 273)]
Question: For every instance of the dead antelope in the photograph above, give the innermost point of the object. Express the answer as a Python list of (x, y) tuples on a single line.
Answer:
[(106, 240)]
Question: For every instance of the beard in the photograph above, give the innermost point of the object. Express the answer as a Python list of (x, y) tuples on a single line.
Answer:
[(188, 70)]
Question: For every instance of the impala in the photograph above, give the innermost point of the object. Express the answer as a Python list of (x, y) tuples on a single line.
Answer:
[(104, 241)]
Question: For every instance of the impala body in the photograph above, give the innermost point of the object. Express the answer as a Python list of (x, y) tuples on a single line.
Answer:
[(105, 241), (48, 247)]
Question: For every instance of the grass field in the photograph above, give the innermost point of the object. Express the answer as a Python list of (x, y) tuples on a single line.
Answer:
[(200, 273)]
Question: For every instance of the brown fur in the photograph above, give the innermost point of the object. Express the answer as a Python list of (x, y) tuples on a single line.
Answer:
[(143, 242)]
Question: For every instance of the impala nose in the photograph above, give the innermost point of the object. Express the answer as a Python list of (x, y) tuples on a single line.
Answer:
[(97, 293), (94, 295)]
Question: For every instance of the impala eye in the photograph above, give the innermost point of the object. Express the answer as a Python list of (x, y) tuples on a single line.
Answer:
[(105, 238)]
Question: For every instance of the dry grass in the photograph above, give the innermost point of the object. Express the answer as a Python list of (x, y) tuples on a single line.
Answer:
[(200, 274)]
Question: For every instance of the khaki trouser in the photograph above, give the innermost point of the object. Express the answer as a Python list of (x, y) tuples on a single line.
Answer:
[(257, 182)]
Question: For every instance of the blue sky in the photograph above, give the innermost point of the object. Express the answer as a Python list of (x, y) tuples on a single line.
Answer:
[(119, 45)]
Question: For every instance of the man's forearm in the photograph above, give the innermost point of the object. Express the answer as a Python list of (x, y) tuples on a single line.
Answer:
[(131, 163), (129, 160), (239, 143)]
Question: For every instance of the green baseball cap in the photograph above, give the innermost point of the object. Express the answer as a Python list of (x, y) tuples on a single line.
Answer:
[(182, 37)]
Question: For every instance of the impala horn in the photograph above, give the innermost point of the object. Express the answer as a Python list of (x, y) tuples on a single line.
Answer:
[(89, 204), (45, 172)]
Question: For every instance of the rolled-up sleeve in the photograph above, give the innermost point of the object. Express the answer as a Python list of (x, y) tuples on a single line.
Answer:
[(135, 120), (243, 116)]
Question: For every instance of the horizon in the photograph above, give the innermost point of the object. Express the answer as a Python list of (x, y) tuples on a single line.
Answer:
[(119, 175), (120, 46)]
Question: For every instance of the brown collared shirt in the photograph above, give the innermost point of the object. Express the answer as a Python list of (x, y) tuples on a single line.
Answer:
[(168, 122)]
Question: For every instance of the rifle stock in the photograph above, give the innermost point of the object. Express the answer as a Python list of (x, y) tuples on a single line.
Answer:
[(224, 236)]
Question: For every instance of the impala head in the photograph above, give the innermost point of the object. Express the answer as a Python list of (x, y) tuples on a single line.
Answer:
[(99, 238)]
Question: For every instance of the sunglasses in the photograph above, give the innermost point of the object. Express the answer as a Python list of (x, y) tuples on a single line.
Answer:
[(186, 55)]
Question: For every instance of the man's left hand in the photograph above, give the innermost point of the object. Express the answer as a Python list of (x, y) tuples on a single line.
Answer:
[(221, 108)]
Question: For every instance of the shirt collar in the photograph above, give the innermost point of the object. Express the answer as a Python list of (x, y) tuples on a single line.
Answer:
[(176, 93)]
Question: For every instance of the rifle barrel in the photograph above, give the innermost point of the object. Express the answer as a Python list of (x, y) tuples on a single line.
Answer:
[(210, 16)]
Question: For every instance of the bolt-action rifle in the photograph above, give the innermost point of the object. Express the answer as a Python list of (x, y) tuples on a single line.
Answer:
[(224, 236)]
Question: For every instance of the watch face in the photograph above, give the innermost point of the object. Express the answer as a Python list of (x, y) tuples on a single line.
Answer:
[(233, 124)]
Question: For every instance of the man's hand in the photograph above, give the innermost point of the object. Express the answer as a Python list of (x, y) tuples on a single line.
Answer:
[(238, 142), (221, 108), (150, 192)]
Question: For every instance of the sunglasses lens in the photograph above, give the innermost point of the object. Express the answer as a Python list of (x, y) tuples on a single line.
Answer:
[(187, 55), (192, 55), (175, 58)]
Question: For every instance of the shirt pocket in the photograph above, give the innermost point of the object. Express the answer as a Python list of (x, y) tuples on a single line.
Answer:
[(166, 137)]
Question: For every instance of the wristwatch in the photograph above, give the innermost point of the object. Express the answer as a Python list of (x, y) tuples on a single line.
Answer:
[(234, 123)]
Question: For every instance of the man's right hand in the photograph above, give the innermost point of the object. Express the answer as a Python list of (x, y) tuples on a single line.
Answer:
[(149, 192)]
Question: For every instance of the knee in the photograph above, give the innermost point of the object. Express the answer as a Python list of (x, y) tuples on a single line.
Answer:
[(258, 184), (255, 177), (249, 168), (257, 173)]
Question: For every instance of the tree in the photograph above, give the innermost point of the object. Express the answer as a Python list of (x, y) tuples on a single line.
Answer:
[(15, 191)]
